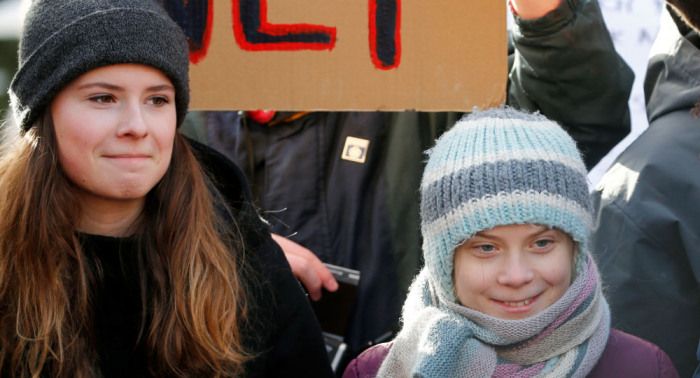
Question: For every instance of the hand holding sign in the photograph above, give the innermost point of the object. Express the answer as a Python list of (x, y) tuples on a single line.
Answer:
[(531, 9)]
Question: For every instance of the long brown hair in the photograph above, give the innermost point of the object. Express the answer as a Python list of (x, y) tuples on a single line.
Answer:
[(192, 285)]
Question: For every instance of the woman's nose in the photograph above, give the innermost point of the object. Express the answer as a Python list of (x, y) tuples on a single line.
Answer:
[(132, 122), (515, 272)]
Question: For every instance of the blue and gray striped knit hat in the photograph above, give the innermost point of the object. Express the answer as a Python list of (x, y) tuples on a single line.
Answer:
[(500, 167)]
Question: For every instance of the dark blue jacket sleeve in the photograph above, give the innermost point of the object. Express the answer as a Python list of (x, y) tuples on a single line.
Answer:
[(566, 67)]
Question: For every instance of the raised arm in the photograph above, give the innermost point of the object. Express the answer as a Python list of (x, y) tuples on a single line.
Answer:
[(566, 67)]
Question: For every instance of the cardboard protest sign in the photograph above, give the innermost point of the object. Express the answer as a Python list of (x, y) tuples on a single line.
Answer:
[(344, 55)]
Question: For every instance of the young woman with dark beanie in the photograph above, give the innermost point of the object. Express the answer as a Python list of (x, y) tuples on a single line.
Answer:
[(119, 257)]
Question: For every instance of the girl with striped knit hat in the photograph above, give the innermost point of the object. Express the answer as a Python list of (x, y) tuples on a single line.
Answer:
[(509, 288)]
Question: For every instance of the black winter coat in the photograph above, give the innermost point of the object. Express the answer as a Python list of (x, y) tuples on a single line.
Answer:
[(282, 331), (647, 230)]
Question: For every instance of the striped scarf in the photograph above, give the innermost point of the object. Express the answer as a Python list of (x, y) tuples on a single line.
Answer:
[(441, 338)]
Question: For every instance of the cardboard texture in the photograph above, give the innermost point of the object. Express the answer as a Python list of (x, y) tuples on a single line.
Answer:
[(442, 55)]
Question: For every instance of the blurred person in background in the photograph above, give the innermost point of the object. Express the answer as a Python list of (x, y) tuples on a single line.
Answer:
[(647, 232)]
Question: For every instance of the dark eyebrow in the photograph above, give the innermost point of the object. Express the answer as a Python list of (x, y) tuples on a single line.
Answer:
[(162, 87), (112, 87), (102, 85)]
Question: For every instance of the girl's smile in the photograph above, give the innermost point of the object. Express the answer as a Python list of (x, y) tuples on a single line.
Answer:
[(514, 271)]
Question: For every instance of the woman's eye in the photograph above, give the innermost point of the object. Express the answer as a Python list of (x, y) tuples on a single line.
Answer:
[(158, 100), (102, 99), (542, 243), (486, 248)]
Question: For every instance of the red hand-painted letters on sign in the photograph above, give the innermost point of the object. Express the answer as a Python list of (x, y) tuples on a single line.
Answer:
[(253, 32)]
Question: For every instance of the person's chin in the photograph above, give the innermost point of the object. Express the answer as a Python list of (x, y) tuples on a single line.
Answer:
[(132, 188)]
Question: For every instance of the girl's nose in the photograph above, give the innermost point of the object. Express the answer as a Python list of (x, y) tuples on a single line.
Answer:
[(515, 272), (132, 122)]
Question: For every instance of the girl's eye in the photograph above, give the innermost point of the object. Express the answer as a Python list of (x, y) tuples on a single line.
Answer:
[(542, 243), (102, 99), (486, 248), (158, 100)]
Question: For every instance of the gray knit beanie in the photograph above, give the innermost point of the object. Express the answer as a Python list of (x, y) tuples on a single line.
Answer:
[(500, 167), (63, 39)]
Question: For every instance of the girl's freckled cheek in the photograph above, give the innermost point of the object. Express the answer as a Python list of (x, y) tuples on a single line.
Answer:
[(483, 274)]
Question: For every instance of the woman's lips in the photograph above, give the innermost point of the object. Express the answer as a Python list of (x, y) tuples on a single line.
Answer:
[(127, 156), (518, 306), (128, 160)]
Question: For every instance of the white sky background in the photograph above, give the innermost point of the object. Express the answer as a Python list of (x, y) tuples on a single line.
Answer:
[(633, 25), (11, 12)]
